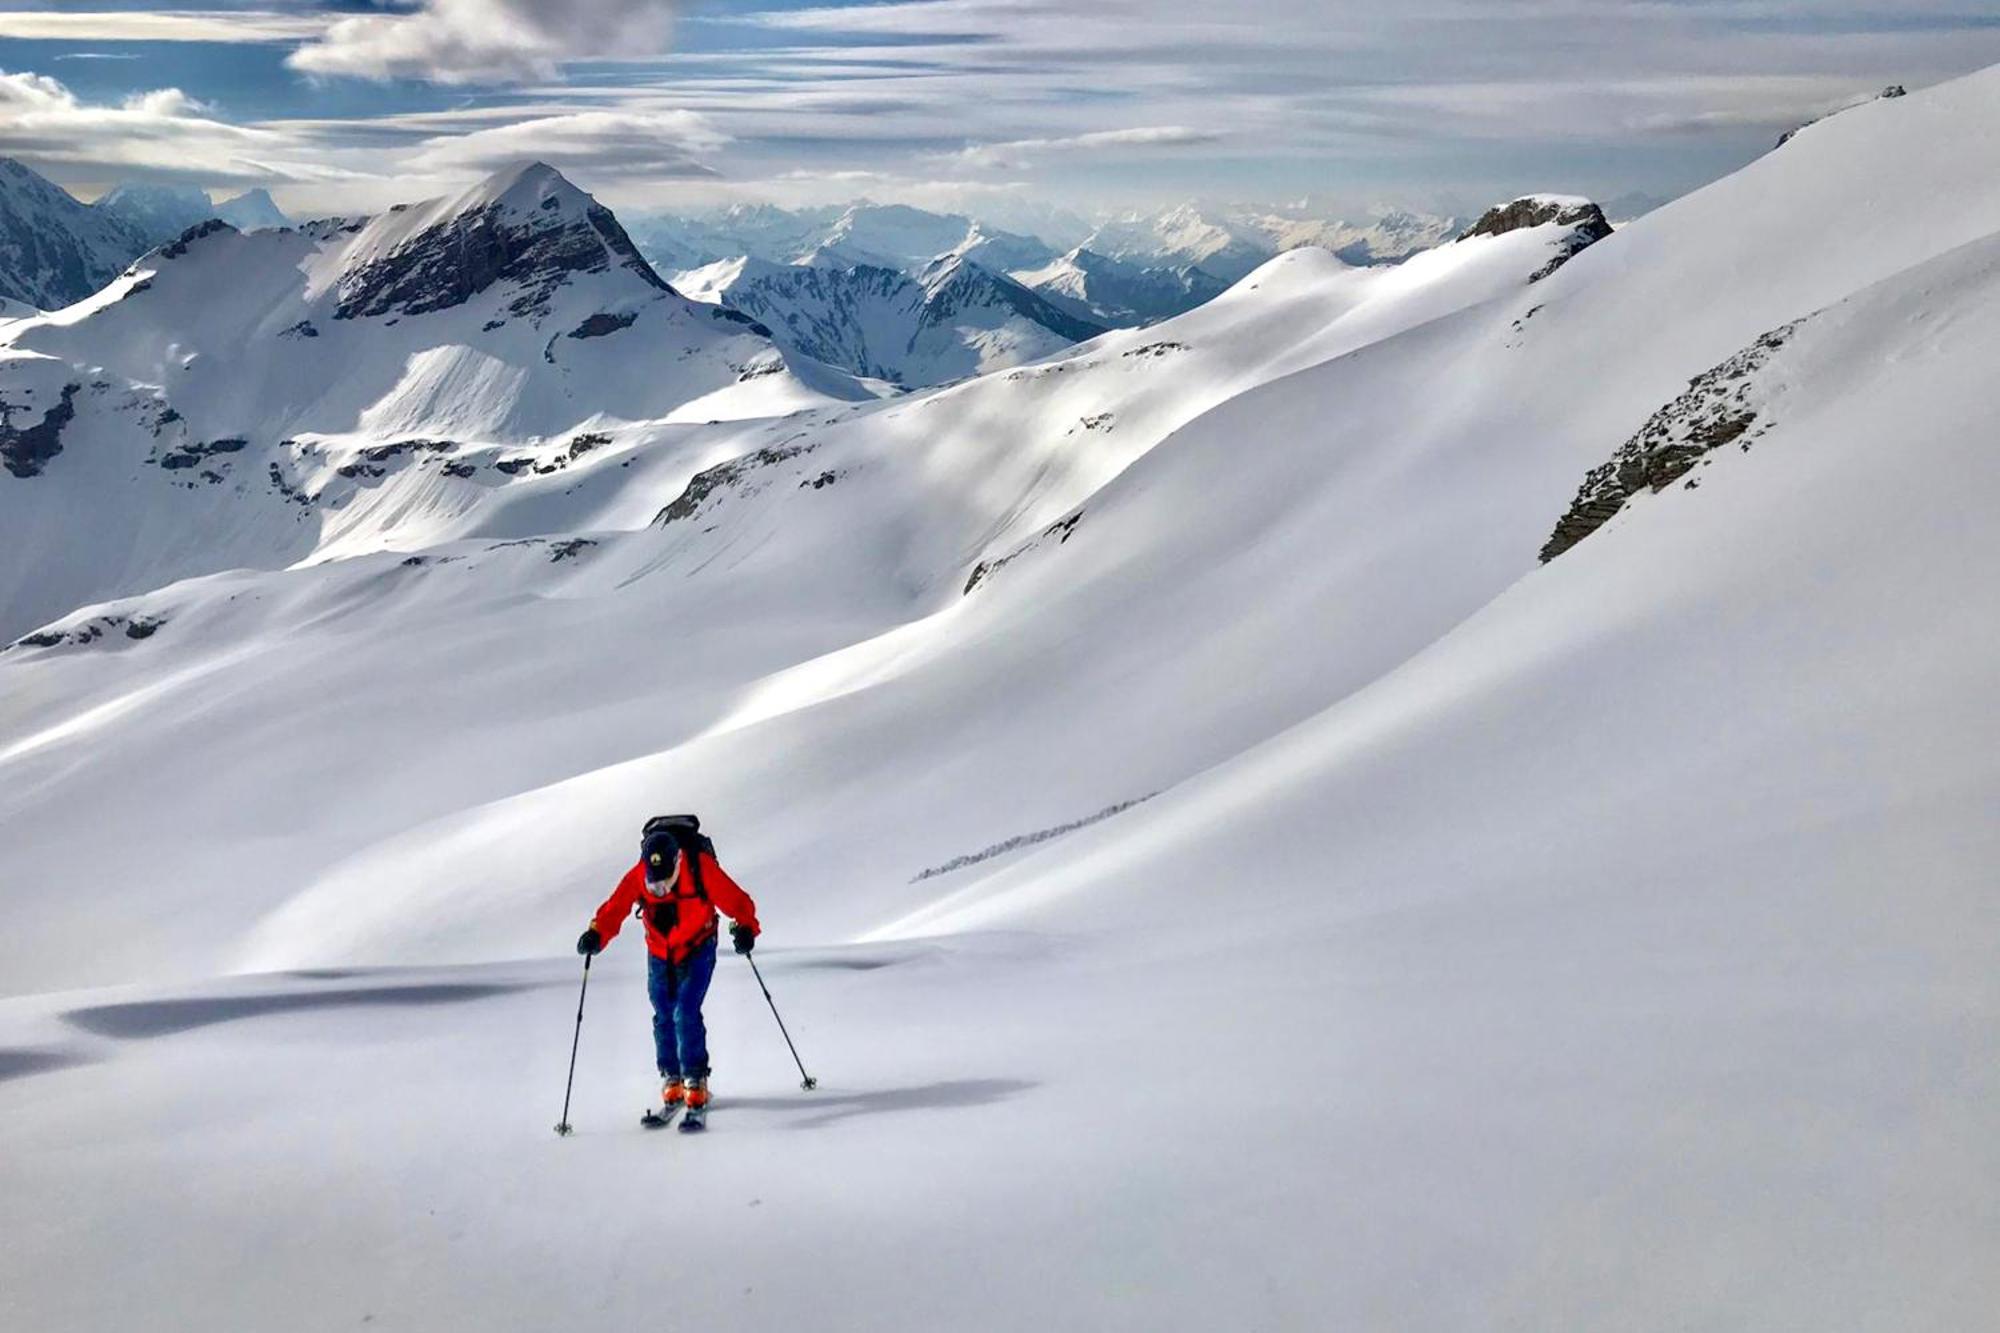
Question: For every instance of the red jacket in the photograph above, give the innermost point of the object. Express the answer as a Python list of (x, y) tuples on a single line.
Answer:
[(693, 919)]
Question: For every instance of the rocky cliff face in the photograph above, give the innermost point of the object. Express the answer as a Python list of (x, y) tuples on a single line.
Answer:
[(531, 230)]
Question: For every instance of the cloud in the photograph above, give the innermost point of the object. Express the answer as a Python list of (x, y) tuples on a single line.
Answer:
[(486, 41), (163, 133), (606, 145), (191, 25), (1016, 153)]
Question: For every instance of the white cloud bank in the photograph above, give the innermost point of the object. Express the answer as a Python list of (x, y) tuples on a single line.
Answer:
[(186, 25), (593, 144), (486, 41), (1019, 152), (162, 133)]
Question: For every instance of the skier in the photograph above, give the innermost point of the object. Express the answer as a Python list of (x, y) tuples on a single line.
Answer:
[(675, 889)]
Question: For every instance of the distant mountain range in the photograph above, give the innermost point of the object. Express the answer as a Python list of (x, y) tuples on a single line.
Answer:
[(55, 249), (1018, 294), (888, 292), (157, 214), (953, 319)]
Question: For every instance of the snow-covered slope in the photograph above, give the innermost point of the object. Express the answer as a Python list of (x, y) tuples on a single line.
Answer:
[(246, 399), (1604, 942), (54, 249), (954, 319)]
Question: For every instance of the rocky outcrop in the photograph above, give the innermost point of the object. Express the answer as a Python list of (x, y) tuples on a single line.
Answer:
[(1540, 211), (1721, 406), (724, 476), (24, 449), (1585, 220)]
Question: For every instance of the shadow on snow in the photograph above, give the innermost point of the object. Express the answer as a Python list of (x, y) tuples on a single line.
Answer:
[(815, 1109), (17, 1063), (162, 1018)]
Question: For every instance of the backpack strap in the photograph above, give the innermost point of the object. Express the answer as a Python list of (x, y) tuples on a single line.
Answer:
[(692, 848)]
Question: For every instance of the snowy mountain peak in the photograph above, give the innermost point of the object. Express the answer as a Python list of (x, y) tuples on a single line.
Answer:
[(253, 210), (526, 226), (156, 213), (526, 187)]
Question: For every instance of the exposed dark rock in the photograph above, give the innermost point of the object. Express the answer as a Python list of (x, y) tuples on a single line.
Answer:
[(174, 249), (91, 631), (459, 469), (285, 488), (303, 329), (729, 316), (1061, 530), (369, 463), (1715, 410), (566, 549), (1534, 212), (25, 450), (1157, 349), (600, 324), (189, 454), (703, 484), (1585, 220)]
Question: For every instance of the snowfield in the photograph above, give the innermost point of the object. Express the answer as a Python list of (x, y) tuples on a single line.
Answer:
[(1214, 869)]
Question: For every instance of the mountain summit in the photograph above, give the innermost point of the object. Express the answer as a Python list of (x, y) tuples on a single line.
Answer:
[(526, 227)]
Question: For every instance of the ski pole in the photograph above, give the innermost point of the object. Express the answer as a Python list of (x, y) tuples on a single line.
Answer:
[(806, 1081), (562, 1126)]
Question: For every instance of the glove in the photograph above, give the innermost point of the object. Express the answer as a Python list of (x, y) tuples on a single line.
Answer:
[(743, 937), (590, 942)]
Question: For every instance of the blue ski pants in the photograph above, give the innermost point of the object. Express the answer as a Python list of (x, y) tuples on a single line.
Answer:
[(680, 1038)]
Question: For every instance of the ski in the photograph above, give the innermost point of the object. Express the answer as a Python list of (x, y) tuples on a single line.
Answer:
[(695, 1120), (658, 1117)]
